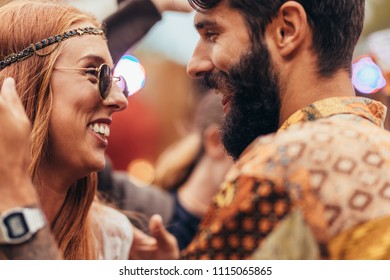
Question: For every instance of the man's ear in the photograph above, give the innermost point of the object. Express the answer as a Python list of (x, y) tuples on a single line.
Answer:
[(290, 28), (212, 142)]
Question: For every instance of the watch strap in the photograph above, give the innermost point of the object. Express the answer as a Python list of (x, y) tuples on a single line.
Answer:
[(33, 220), (36, 220)]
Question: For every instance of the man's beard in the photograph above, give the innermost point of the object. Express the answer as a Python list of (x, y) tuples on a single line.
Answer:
[(254, 104)]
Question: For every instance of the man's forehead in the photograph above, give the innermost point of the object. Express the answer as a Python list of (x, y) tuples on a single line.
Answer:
[(215, 16), (222, 17)]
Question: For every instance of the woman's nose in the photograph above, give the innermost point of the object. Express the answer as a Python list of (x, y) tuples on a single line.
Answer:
[(116, 100)]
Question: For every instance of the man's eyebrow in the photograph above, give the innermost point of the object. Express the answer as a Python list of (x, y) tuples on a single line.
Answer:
[(205, 24)]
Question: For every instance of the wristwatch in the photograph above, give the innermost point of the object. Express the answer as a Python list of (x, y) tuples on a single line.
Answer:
[(18, 225)]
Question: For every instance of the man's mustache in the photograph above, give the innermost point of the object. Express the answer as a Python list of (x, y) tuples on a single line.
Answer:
[(217, 80)]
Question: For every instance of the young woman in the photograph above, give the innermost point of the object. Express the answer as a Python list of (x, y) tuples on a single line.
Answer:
[(60, 61)]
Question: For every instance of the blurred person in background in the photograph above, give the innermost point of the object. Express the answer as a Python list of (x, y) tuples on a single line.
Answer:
[(194, 168)]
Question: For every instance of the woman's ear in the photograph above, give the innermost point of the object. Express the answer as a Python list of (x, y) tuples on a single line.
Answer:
[(212, 142)]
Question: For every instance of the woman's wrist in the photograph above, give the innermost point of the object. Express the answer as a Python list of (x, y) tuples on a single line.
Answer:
[(17, 192)]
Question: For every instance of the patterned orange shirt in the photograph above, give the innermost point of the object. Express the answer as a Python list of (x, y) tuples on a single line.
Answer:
[(325, 171)]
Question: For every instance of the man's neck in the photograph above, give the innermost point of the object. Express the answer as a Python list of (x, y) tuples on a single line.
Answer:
[(300, 92)]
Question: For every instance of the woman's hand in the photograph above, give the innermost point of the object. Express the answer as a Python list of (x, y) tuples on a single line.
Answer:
[(16, 188)]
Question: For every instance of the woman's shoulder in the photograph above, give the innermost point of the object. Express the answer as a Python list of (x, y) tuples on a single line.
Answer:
[(113, 231)]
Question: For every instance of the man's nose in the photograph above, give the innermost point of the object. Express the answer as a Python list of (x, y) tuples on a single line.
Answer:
[(199, 64)]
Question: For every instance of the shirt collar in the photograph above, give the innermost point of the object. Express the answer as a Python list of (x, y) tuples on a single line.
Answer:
[(364, 107)]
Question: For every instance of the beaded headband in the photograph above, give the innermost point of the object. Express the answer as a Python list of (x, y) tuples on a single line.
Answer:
[(33, 48)]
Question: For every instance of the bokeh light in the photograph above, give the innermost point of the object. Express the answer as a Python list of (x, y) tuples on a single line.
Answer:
[(132, 70), (367, 77), (141, 171)]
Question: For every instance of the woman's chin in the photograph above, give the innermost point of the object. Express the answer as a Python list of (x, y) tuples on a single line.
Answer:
[(100, 166), (96, 165)]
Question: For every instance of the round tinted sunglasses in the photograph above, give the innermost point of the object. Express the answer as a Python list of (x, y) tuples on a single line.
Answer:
[(105, 78)]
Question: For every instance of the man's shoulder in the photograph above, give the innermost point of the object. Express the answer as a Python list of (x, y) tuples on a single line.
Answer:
[(320, 131), (301, 134), (303, 143)]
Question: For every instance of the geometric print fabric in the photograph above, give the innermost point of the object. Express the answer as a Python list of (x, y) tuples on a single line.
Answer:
[(331, 163)]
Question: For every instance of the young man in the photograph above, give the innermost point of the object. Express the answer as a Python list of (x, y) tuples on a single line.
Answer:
[(284, 67)]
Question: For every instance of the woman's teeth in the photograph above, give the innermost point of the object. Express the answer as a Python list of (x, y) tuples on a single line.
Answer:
[(100, 128)]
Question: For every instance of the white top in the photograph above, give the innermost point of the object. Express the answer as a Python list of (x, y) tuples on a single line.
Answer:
[(113, 232)]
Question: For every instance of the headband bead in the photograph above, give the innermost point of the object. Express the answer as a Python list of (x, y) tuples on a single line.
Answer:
[(33, 48)]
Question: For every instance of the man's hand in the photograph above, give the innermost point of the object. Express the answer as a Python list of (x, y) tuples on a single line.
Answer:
[(172, 5), (160, 246)]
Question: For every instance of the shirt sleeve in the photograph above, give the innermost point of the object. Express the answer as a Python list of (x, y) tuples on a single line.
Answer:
[(242, 215), (184, 225), (129, 24)]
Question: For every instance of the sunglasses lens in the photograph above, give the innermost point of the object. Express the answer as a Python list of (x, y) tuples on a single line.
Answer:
[(121, 82), (104, 81)]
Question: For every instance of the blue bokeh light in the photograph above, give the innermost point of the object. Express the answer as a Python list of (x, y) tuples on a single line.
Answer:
[(132, 70), (367, 77)]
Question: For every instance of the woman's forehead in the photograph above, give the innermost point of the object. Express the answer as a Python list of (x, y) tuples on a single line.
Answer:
[(89, 47)]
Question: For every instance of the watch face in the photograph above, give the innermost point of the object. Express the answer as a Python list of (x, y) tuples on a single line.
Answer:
[(16, 225)]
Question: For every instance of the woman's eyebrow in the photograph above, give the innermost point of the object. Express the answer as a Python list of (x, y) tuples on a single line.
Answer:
[(93, 58)]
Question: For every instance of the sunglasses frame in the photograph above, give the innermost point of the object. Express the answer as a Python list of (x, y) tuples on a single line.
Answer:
[(100, 78)]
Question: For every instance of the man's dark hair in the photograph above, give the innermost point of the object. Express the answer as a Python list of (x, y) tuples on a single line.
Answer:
[(336, 25)]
